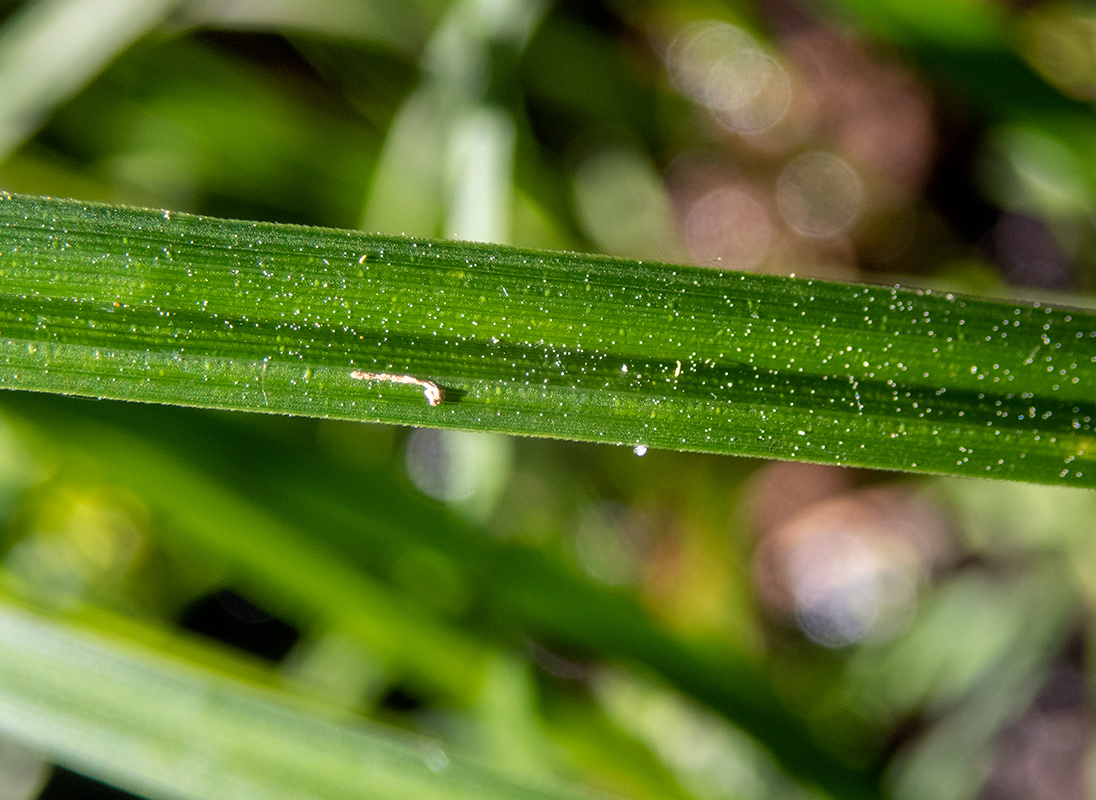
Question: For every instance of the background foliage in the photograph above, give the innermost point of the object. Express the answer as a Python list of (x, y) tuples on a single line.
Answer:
[(667, 626)]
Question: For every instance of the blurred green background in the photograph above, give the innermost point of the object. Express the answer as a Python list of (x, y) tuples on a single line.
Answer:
[(652, 624)]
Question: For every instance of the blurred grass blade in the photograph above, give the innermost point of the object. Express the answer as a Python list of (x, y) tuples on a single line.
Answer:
[(51, 48), (145, 305), (167, 729), (447, 165), (397, 24), (332, 537), (268, 555)]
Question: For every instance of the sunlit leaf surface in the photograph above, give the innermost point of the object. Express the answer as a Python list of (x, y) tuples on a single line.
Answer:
[(161, 307)]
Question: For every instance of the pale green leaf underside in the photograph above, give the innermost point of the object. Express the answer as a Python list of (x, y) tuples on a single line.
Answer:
[(154, 306), (128, 715)]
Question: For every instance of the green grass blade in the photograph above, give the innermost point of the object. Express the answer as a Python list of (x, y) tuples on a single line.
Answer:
[(144, 305), (52, 50), (328, 538), (285, 563), (169, 729)]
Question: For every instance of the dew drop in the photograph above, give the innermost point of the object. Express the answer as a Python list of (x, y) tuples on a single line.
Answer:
[(434, 757)]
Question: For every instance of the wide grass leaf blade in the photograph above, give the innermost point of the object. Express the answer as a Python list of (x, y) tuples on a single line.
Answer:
[(133, 304)]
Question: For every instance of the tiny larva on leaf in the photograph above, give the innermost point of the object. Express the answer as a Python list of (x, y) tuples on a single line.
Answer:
[(433, 393)]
